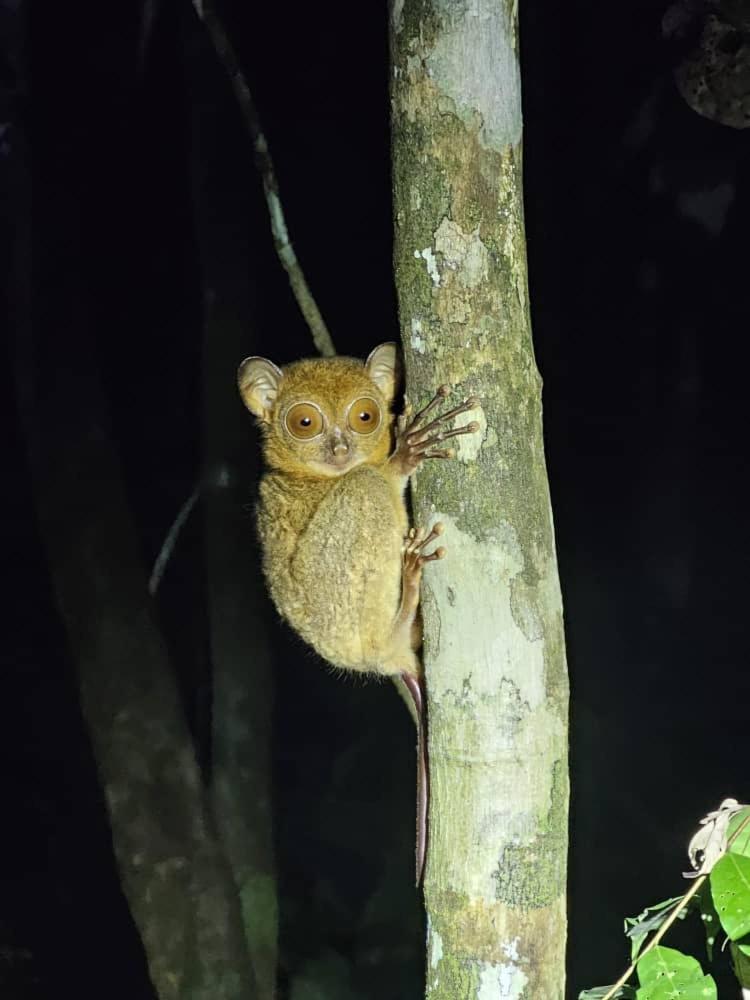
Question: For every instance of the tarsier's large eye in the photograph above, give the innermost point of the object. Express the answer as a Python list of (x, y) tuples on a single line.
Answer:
[(364, 415), (304, 421)]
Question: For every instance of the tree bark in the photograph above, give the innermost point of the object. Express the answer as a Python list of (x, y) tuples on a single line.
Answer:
[(494, 653)]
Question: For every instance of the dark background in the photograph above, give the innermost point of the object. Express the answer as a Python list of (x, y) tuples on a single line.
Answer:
[(127, 180)]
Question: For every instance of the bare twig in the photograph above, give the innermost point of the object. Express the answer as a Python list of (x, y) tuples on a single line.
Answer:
[(284, 249)]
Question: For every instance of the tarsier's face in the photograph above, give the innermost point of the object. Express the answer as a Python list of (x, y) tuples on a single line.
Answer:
[(323, 416), (333, 437)]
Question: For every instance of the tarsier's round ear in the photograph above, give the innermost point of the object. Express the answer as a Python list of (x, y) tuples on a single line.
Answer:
[(258, 380), (384, 368)]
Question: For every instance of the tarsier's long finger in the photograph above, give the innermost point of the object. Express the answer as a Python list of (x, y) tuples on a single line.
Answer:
[(470, 428), (468, 404), (439, 453), (404, 419), (437, 529), (420, 538), (442, 392)]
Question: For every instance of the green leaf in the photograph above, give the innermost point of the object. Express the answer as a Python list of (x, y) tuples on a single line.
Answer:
[(743, 945), (704, 903), (623, 993), (741, 844), (741, 963), (638, 928), (667, 974), (730, 888)]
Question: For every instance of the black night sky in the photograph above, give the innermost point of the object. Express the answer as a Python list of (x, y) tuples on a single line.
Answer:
[(129, 206)]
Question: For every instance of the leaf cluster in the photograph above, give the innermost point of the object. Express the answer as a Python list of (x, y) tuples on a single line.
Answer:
[(721, 899)]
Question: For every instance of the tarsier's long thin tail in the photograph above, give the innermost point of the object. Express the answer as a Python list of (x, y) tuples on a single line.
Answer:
[(414, 686)]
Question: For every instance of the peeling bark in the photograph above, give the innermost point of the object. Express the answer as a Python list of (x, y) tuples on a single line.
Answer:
[(494, 646)]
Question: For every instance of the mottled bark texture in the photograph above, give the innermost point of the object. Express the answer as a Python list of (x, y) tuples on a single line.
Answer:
[(494, 647)]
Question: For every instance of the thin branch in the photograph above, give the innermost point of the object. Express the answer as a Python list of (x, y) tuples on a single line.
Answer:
[(165, 552), (658, 936), (284, 249)]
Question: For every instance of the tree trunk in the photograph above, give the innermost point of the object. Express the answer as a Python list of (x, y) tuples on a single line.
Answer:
[(242, 696), (173, 873), (494, 654), (242, 711), (240, 647)]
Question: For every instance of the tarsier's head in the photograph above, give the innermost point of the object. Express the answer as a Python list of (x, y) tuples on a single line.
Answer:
[(323, 416)]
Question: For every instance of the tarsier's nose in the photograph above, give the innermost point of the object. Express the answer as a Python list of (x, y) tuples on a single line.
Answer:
[(338, 443)]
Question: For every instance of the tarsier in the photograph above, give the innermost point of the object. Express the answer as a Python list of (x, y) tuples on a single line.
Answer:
[(341, 563)]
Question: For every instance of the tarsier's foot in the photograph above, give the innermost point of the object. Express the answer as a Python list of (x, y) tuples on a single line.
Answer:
[(415, 443), (415, 543), (414, 558)]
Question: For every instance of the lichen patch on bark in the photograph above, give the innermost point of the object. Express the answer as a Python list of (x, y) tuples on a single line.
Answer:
[(506, 977)]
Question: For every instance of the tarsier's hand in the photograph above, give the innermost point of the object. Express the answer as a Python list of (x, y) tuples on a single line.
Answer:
[(415, 443)]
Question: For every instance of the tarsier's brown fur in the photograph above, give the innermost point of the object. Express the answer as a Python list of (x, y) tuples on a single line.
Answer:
[(341, 564), (333, 535)]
